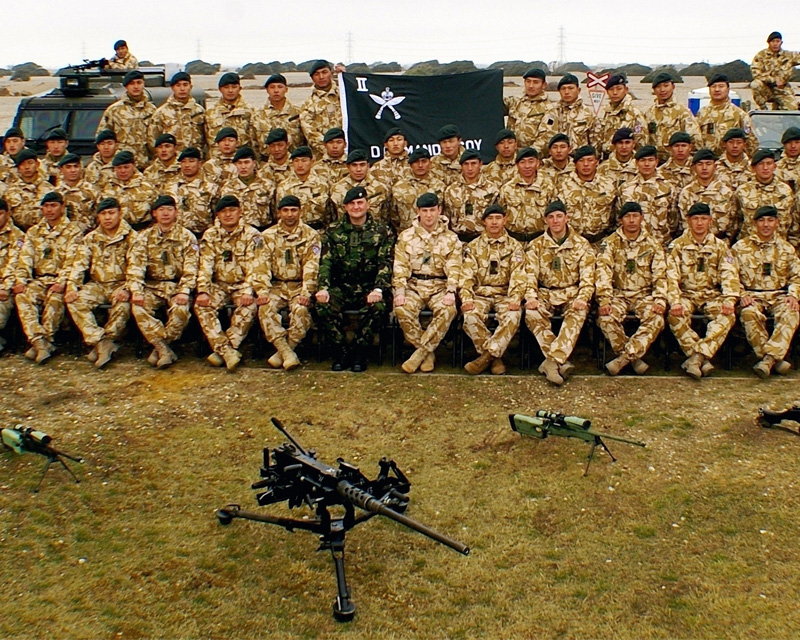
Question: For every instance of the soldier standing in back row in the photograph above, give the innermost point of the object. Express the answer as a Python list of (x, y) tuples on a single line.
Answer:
[(180, 115), (721, 115), (526, 113), (231, 111), (278, 113), (772, 69), (570, 117), (665, 117), (619, 112), (321, 111)]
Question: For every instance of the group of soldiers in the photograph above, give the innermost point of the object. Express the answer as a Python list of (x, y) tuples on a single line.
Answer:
[(264, 212)]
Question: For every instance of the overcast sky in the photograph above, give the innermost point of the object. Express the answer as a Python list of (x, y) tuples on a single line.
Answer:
[(234, 32)]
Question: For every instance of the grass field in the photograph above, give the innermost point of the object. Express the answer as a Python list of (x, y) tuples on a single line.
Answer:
[(694, 536)]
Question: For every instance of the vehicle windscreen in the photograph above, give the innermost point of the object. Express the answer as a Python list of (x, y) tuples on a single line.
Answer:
[(770, 127)]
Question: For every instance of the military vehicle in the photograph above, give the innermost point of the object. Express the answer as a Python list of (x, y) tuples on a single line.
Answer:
[(770, 125)]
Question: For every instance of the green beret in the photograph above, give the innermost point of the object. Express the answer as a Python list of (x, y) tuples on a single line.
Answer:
[(623, 133), (394, 131), (493, 208), (226, 132), (317, 65), (792, 133), (122, 157), (718, 77), (179, 77), (3, 204), (616, 79), (629, 207), (534, 73), (526, 152), (703, 154), (333, 134), (504, 134), (69, 158), (244, 152), (165, 138), (730, 134), (190, 152), (568, 78), (661, 78), (647, 151), (698, 209), (25, 154), (105, 134), (131, 76), (448, 131), (301, 152), (763, 212), (289, 201), (52, 196), (355, 193), (107, 203), (555, 205), (226, 201), (13, 132), (559, 137), (275, 78), (277, 135), (760, 155), (585, 150), (120, 43), (469, 154), (775, 35), (418, 154), (56, 134), (427, 200), (680, 136), (163, 201), (229, 78), (356, 155)]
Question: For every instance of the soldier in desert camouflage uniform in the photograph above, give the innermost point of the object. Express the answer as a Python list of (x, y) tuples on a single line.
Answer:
[(103, 256), (526, 197), (56, 144), (701, 278), (772, 68), (193, 193), (24, 195), (654, 194), (219, 168), (11, 240), (99, 170), (788, 168), (721, 115), (503, 168), (291, 255), (276, 166), (333, 166), (13, 143), (359, 176), (129, 119), (321, 111), (570, 116), (467, 198), (427, 269), (255, 193), (620, 165), (665, 117), (164, 171), (306, 185), (446, 165), (406, 191), (558, 164), (231, 111), (619, 112), (394, 164), (630, 277), (493, 277), (769, 273), (525, 113), (733, 166), (79, 195), (560, 281), (708, 188), (181, 116), (162, 272), (678, 169), (131, 190), (123, 58), (278, 113)]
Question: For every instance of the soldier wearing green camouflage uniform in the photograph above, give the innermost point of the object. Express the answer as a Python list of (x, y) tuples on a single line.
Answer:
[(99, 170), (333, 166), (131, 190), (394, 164), (503, 168), (162, 272), (630, 277), (231, 255), (558, 165), (788, 169), (655, 195), (708, 188), (467, 198), (701, 279), (321, 111), (180, 116), (129, 119), (560, 275), (79, 195), (619, 112), (772, 69), (426, 274), (355, 273), (193, 193), (405, 192), (678, 169), (41, 274), (306, 185), (291, 253), (254, 192), (620, 165), (279, 113), (231, 111), (493, 277), (11, 240), (24, 195), (665, 117), (359, 175), (526, 197), (721, 115), (446, 165), (769, 272), (165, 169), (733, 166), (103, 256), (570, 116), (525, 113)]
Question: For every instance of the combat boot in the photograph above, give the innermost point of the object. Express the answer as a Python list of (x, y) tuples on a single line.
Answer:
[(428, 363), (498, 367), (288, 357), (44, 350), (360, 363), (105, 349), (692, 366), (706, 368), (565, 370), (414, 362), (152, 359), (166, 356), (92, 355), (215, 360), (275, 360), (339, 358), (640, 367), (782, 367), (617, 364), (30, 354), (232, 358), (479, 364), (764, 367), (550, 370)]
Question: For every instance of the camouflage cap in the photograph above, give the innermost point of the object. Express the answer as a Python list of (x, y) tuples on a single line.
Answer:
[(559, 137), (229, 78), (69, 158), (698, 209), (555, 205), (703, 154), (277, 135), (302, 152), (469, 154), (448, 131), (629, 207), (243, 153), (181, 76), (647, 151), (775, 35), (52, 196), (760, 156), (275, 78), (526, 152), (333, 134), (129, 77), (226, 201), (107, 203), (289, 201), (661, 78), (680, 136), (190, 152), (356, 193), (25, 154), (226, 132), (56, 134), (718, 77), (534, 72), (317, 65), (616, 79), (356, 155), (163, 201), (394, 131), (763, 212), (165, 138), (792, 133), (427, 200), (582, 152), (504, 134), (122, 157), (730, 134), (623, 133), (418, 154), (568, 78), (105, 134), (493, 208)]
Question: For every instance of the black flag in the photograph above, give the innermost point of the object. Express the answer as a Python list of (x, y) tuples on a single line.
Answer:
[(419, 106)]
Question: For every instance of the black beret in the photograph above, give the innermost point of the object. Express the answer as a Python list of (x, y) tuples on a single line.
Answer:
[(277, 135), (165, 138), (661, 77), (52, 196), (317, 65), (504, 134), (333, 134), (792, 133), (3, 204), (568, 78), (493, 208), (178, 77), (56, 134), (730, 134), (131, 76), (703, 154), (394, 131), (244, 152), (448, 131), (555, 205), (418, 154), (427, 200), (120, 43), (526, 152), (763, 212), (288, 201), (585, 150), (25, 154), (760, 155), (356, 155), (14, 132), (718, 77), (534, 73), (226, 132), (469, 154), (698, 209), (105, 134), (107, 203), (621, 134), (229, 78), (275, 78), (680, 136), (122, 157), (616, 79), (225, 202), (163, 201), (190, 152), (355, 193), (301, 152), (559, 137), (69, 158), (648, 151), (629, 207), (775, 35)]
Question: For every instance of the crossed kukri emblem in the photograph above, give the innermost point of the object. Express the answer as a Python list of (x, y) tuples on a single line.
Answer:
[(387, 101)]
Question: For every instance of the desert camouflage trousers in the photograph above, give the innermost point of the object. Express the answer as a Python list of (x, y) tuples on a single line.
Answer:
[(34, 298), (241, 318), (408, 317), (754, 321), (556, 347), (331, 322), (151, 327), (783, 99), (717, 327), (91, 296), (650, 325), (284, 295), (507, 325)]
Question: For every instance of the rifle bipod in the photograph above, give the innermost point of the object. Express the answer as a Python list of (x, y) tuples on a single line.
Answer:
[(55, 457), (597, 441)]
